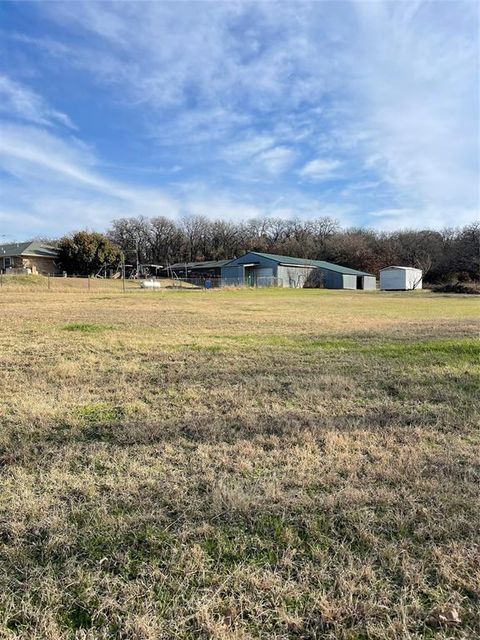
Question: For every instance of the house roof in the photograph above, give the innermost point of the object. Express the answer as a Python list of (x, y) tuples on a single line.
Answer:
[(27, 249), (311, 263)]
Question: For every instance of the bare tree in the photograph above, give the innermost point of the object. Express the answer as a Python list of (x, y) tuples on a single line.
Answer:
[(195, 230), (452, 253)]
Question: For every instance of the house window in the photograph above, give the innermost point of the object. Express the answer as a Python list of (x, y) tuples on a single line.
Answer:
[(7, 263)]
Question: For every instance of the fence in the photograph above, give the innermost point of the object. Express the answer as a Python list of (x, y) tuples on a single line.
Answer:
[(61, 283), (256, 281), (66, 284), (74, 284), (197, 283)]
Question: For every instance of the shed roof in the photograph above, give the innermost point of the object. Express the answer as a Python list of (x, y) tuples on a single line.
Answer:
[(311, 263), (28, 249), (402, 268)]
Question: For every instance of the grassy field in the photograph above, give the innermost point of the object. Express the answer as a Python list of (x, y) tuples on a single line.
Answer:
[(239, 464)]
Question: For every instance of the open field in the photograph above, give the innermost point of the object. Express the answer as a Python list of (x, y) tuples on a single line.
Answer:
[(239, 464)]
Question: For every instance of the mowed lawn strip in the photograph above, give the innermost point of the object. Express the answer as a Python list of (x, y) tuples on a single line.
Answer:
[(239, 464)]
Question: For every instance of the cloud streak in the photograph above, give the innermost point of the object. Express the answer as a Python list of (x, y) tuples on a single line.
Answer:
[(320, 169), (368, 109), (17, 100), (53, 178)]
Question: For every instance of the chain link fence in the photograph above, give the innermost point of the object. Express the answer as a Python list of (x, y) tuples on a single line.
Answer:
[(67, 284), (71, 284)]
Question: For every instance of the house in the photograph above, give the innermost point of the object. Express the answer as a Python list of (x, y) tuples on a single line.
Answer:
[(264, 269), (400, 278), (28, 257)]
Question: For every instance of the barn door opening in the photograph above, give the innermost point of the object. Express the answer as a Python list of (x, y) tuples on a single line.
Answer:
[(359, 282), (250, 276)]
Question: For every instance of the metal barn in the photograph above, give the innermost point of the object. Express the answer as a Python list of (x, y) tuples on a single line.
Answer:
[(206, 269), (265, 269), (400, 278)]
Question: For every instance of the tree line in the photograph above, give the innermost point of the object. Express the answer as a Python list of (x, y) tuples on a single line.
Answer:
[(443, 255)]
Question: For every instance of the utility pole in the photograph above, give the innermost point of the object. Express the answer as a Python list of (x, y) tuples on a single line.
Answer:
[(123, 272), (138, 261)]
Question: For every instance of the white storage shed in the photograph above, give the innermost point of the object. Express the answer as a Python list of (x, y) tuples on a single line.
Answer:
[(400, 278)]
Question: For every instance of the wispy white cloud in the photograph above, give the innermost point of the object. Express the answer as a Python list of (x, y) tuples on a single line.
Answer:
[(57, 185), (366, 108), (58, 180), (419, 218), (247, 148), (34, 154), (275, 160), (17, 100), (236, 60), (259, 154), (420, 88), (320, 169)]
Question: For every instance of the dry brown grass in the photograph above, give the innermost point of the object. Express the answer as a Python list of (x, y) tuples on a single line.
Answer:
[(239, 464)]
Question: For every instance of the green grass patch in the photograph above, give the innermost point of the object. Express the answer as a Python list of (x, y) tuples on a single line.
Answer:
[(265, 540), (445, 351), (100, 412), (86, 327), (205, 348)]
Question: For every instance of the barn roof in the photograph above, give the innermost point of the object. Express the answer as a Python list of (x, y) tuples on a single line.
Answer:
[(209, 264), (311, 263), (28, 249)]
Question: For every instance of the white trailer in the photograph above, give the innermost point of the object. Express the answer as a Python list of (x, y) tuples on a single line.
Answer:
[(400, 278)]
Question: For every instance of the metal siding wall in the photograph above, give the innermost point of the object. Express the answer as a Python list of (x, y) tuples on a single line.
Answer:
[(282, 280), (264, 269), (292, 276), (369, 283), (349, 282), (264, 272), (333, 280), (264, 277), (232, 276), (413, 279), (393, 279)]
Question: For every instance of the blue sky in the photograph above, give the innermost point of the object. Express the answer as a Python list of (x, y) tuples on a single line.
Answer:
[(364, 111)]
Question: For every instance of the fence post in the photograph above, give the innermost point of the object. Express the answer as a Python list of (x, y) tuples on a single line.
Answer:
[(48, 281), (88, 282), (123, 273)]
